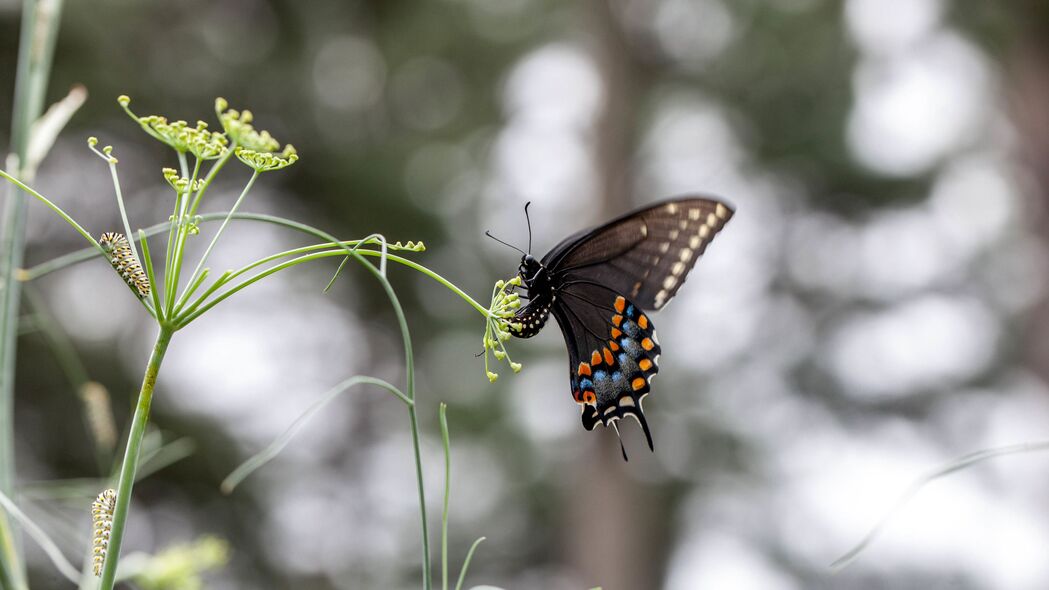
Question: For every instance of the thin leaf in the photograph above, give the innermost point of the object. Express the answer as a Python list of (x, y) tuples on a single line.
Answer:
[(957, 465), (50, 548), (266, 455)]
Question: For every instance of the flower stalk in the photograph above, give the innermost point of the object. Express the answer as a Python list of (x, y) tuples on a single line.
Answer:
[(130, 463)]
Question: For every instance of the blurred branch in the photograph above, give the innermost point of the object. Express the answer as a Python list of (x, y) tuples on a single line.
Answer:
[(958, 464), (39, 30)]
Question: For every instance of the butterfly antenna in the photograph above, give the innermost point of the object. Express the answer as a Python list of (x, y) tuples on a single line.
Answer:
[(621, 447), (528, 220), (489, 234)]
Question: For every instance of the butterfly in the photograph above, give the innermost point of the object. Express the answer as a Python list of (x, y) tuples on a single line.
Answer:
[(598, 284)]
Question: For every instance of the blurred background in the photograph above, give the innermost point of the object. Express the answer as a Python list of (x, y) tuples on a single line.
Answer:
[(877, 307)]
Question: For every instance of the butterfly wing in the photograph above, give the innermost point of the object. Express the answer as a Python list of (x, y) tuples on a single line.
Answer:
[(646, 254), (613, 353)]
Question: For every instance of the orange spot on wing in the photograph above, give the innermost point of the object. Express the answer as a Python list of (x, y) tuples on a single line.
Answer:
[(643, 322), (595, 358), (647, 344), (612, 344), (589, 397), (616, 333), (620, 303), (617, 319), (645, 364), (638, 383), (584, 369), (608, 356)]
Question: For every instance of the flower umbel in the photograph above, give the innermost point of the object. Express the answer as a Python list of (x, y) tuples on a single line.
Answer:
[(181, 184), (204, 144), (505, 303), (237, 125), (266, 161)]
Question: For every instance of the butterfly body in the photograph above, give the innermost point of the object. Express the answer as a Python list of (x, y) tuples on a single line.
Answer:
[(598, 283)]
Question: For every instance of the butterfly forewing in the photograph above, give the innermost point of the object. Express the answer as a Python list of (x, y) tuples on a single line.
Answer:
[(645, 255)]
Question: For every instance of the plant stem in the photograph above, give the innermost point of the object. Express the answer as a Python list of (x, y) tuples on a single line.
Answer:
[(130, 463), (39, 30), (446, 443), (214, 240)]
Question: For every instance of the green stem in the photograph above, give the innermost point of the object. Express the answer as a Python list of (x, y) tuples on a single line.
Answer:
[(65, 216), (207, 180), (446, 443), (180, 245), (195, 310), (215, 239), (466, 563), (147, 260), (130, 463)]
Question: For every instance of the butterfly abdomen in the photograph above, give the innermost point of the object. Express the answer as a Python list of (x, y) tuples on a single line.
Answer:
[(532, 317)]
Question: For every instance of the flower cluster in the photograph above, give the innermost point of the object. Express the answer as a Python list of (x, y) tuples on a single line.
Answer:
[(411, 246), (504, 306), (237, 125), (267, 161), (204, 144), (181, 184), (179, 567)]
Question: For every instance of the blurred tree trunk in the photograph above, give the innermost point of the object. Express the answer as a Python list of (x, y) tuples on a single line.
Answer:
[(615, 538), (1029, 87)]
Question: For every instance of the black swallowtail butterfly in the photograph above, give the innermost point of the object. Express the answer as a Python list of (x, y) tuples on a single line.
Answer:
[(124, 262), (597, 285)]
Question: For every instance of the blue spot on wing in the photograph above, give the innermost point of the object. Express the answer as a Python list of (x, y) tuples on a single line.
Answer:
[(631, 347), (631, 329)]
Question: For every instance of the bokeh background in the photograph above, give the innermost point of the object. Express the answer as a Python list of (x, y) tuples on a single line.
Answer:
[(877, 307)]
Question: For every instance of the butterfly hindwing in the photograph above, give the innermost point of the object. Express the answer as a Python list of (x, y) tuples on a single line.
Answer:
[(645, 255), (613, 354)]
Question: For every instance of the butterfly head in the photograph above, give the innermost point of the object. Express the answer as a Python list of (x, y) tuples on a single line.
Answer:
[(532, 272)]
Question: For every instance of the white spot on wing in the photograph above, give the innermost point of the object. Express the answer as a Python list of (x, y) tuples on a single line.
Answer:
[(672, 208), (669, 282), (686, 253), (693, 214), (678, 268)]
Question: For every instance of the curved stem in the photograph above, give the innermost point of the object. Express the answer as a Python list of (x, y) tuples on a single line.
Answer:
[(198, 307), (273, 449), (80, 230), (130, 464)]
